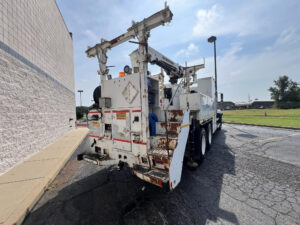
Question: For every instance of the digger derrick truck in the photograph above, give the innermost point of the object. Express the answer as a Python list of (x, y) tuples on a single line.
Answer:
[(144, 123)]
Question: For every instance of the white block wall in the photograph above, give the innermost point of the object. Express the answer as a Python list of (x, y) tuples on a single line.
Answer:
[(36, 78)]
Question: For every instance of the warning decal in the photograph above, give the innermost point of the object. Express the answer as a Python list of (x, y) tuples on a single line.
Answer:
[(96, 124), (121, 116)]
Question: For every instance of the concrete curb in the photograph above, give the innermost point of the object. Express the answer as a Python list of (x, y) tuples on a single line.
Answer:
[(22, 186), (257, 125)]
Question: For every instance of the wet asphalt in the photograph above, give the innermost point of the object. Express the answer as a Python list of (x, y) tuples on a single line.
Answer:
[(251, 175)]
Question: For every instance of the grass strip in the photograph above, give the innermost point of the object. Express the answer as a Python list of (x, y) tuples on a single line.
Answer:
[(293, 122)]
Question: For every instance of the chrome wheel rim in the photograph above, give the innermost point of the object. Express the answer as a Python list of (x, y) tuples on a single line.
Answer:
[(209, 135), (203, 144)]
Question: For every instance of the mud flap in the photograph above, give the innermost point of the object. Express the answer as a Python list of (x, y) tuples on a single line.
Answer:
[(175, 170)]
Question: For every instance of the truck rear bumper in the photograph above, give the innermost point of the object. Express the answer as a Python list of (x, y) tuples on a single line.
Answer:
[(158, 178)]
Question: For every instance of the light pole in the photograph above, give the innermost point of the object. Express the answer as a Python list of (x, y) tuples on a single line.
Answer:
[(213, 39), (80, 91)]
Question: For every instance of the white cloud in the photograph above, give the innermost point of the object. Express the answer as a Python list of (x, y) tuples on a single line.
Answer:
[(288, 36), (187, 52), (220, 21), (91, 36), (206, 20), (193, 48), (260, 18), (240, 75)]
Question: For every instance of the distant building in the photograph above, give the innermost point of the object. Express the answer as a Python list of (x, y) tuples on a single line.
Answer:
[(228, 105), (243, 105), (262, 104), (37, 79)]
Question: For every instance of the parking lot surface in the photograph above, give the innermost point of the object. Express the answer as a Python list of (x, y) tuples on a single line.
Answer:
[(251, 175)]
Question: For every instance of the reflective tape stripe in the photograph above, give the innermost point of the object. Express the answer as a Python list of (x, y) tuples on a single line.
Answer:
[(186, 125), (121, 111), (93, 136), (116, 139), (140, 143)]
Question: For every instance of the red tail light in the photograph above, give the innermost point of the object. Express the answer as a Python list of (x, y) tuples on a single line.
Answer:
[(159, 161)]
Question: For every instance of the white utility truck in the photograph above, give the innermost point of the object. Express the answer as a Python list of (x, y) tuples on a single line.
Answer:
[(144, 123)]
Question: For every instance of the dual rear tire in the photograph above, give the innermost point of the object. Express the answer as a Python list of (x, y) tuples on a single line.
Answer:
[(205, 140), (208, 136), (202, 146), (203, 143)]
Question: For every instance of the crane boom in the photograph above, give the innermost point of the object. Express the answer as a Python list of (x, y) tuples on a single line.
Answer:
[(143, 27), (173, 70)]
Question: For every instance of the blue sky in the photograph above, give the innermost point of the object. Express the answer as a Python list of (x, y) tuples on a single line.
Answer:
[(256, 40)]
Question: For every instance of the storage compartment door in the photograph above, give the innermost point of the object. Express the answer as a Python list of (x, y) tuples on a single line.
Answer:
[(121, 126)]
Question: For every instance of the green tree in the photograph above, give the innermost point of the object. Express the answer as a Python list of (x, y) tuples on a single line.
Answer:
[(286, 93), (79, 115), (81, 111)]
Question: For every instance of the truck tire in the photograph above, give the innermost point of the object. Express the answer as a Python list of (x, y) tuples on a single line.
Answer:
[(219, 120), (219, 126), (201, 147), (208, 136), (192, 165)]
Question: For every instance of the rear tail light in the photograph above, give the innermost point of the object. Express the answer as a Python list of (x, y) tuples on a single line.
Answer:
[(159, 162)]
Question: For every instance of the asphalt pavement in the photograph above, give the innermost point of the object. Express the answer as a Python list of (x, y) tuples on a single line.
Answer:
[(251, 175)]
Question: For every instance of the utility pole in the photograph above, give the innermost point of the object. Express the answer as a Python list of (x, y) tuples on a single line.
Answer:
[(213, 39), (80, 91)]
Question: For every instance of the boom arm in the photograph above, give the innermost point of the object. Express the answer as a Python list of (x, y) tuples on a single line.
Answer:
[(174, 70), (99, 50)]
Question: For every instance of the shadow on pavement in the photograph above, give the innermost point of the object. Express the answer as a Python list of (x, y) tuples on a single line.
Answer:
[(112, 197)]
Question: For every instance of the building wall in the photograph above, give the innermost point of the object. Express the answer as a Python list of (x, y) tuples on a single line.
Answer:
[(37, 78)]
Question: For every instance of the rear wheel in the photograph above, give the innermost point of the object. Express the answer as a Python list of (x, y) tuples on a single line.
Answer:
[(219, 120), (202, 146), (219, 126), (192, 165), (209, 136)]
